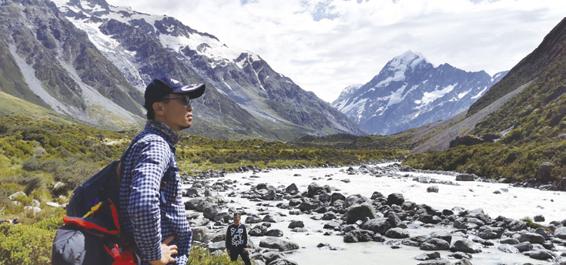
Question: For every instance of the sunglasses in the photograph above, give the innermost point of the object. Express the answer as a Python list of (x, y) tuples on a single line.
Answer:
[(185, 100)]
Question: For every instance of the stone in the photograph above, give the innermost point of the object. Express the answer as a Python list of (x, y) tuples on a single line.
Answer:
[(279, 244), (397, 233), (466, 246), (292, 189), (377, 225), (531, 237), (395, 198), (432, 189), (361, 212), (435, 244), (295, 224), (465, 177), (274, 232)]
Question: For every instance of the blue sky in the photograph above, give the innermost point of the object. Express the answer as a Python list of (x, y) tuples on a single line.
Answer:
[(326, 45)]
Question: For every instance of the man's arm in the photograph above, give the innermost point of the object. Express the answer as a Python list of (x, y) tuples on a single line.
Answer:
[(143, 209), (245, 236), (228, 239)]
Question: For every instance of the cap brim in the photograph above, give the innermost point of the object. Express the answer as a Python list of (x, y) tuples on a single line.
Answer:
[(193, 91)]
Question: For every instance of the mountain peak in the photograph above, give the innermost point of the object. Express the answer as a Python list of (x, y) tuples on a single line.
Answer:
[(408, 59), (91, 5)]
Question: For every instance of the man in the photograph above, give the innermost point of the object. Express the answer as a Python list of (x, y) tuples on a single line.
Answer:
[(152, 213), (237, 240)]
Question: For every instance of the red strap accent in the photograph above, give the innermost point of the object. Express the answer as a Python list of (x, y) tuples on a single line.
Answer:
[(82, 223)]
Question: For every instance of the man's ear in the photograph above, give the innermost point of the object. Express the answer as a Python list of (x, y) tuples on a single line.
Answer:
[(158, 108)]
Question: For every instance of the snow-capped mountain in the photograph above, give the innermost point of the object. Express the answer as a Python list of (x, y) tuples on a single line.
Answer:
[(245, 94), (409, 92)]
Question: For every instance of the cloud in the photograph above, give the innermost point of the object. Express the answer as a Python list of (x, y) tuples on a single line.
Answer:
[(326, 45)]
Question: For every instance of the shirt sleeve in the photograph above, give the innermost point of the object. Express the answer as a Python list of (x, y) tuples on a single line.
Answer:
[(143, 209), (245, 236), (228, 239)]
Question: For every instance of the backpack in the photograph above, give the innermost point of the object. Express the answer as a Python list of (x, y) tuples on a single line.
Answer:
[(91, 232)]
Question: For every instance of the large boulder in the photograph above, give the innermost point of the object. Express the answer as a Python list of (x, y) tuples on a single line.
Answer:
[(530, 237), (295, 224), (466, 246), (292, 189), (377, 225), (435, 244), (397, 233), (361, 212), (395, 199), (279, 244), (560, 233)]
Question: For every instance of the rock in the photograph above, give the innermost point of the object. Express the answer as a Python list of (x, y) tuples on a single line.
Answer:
[(295, 224), (510, 241), (292, 189), (314, 189), (331, 226), (200, 234), (466, 246), (544, 172), (428, 256), (17, 195), (198, 204), (560, 233), (465, 177), (358, 236), (486, 232), (279, 244), (444, 235), (435, 244), (361, 212), (430, 219), (337, 196), (270, 219), (432, 189), (191, 193), (393, 219), (32, 210), (377, 225), (539, 218), (274, 232), (210, 213), (507, 248), (531, 237), (328, 216), (395, 199), (220, 245), (282, 262), (524, 246), (252, 219), (258, 230), (435, 262), (376, 195), (397, 233), (540, 254), (356, 199)]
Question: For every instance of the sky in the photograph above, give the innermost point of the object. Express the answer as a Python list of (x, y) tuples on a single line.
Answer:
[(326, 45)]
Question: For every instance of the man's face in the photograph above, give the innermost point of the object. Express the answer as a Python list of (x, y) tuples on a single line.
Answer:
[(177, 112), (236, 219)]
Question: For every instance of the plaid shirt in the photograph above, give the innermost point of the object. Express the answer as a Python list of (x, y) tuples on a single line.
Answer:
[(150, 197)]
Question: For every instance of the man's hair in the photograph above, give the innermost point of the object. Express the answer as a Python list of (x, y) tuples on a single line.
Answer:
[(150, 113), (237, 214)]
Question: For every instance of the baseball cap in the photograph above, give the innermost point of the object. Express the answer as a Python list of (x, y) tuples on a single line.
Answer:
[(159, 88)]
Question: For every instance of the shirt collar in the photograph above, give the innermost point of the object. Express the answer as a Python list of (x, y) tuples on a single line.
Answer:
[(162, 129)]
